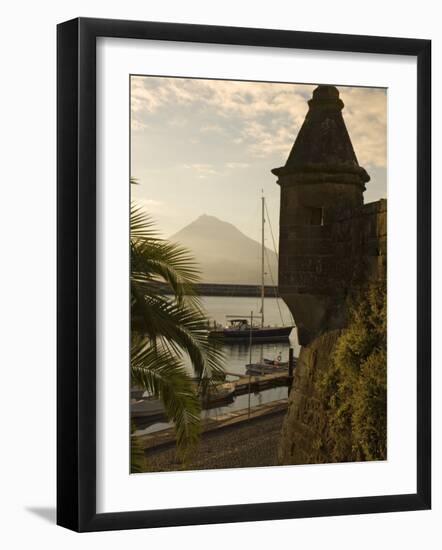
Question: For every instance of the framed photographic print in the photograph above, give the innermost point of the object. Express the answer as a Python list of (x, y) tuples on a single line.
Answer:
[(233, 344)]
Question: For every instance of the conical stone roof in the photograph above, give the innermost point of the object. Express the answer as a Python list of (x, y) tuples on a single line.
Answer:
[(323, 144)]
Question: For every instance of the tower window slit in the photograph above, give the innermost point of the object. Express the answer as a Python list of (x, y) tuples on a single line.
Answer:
[(316, 216)]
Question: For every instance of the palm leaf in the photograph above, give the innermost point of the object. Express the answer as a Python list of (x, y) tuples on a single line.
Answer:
[(166, 329), (141, 224), (183, 328), (164, 376), (153, 260), (137, 458)]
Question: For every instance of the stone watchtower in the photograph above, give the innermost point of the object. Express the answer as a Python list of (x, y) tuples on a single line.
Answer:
[(331, 246), (322, 186)]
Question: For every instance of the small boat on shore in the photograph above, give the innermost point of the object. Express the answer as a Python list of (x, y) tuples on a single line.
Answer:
[(137, 393), (146, 407), (264, 368), (268, 366), (276, 362), (149, 407)]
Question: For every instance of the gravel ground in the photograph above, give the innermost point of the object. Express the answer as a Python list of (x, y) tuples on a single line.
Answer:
[(246, 445)]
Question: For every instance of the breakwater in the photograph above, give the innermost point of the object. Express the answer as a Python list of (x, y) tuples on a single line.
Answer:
[(229, 290)]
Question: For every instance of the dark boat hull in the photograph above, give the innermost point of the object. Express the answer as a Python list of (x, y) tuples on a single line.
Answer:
[(266, 334)]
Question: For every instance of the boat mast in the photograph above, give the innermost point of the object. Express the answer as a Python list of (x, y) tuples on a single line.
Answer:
[(262, 259)]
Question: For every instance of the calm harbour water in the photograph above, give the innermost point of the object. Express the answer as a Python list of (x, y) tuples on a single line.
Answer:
[(239, 354)]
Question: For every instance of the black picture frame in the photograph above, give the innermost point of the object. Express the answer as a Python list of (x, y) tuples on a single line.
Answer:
[(76, 273)]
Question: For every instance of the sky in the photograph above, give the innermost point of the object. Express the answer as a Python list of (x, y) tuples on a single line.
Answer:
[(207, 146)]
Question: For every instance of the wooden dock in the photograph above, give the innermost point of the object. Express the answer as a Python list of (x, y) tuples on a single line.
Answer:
[(255, 383), (167, 437)]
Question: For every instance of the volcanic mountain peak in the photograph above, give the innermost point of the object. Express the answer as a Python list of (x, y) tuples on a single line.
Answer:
[(224, 253)]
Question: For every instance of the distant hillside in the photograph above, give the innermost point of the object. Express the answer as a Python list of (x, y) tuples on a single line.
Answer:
[(224, 253)]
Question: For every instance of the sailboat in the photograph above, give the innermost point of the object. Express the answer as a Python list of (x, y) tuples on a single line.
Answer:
[(242, 328)]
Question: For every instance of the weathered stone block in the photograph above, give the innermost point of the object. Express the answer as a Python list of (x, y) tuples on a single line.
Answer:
[(382, 224)]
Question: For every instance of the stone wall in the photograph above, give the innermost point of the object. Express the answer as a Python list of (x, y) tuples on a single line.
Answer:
[(304, 430), (321, 264), (340, 257)]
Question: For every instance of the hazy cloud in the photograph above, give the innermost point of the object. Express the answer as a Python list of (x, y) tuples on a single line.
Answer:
[(233, 165), (201, 170), (267, 116)]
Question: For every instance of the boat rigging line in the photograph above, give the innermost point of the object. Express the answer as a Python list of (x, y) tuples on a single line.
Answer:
[(270, 269)]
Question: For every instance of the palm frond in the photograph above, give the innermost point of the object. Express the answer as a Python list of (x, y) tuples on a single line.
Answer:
[(164, 376), (167, 329), (142, 225), (184, 328), (137, 458), (153, 260)]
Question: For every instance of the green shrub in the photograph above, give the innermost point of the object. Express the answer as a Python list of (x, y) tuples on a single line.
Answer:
[(353, 391)]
